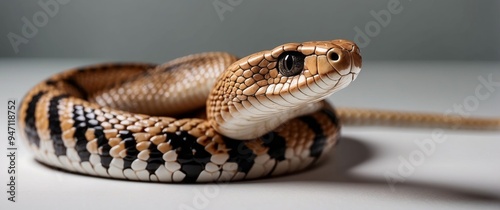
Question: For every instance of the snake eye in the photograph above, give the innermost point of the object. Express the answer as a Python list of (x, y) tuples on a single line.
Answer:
[(291, 63)]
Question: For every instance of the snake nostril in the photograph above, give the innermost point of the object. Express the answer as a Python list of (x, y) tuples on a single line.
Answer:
[(334, 56)]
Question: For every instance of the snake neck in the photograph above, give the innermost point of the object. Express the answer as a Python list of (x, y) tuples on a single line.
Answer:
[(245, 126)]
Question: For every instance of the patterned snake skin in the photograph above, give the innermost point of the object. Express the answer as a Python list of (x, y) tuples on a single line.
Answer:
[(228, 119), (265, 114)]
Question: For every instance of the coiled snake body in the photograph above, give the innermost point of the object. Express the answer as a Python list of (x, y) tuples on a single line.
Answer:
[(265, 114)]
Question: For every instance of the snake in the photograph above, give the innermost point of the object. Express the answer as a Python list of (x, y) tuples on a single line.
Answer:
[(206, 117)]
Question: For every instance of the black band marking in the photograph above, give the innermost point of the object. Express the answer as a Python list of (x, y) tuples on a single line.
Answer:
[(78, 87), (277, 147), (130, 144), (30, 120), (192, 156), (276, 144), (55, 125), (155, 159), (240, 154), (319, 137), (331, 115), (334, 119), (85, 119)]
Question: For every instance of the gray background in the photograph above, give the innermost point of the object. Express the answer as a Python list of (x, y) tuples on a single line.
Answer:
[(160, 30)]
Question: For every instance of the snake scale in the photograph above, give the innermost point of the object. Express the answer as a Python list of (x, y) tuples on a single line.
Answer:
[(206, 117)]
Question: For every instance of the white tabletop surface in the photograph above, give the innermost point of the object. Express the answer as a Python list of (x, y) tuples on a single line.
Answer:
[(462, 172)]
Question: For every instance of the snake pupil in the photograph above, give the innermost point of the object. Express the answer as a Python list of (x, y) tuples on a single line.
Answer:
[(288, 62), (291, 63)]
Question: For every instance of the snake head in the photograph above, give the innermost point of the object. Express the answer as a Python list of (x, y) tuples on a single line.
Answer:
[(262, 90), (318, 68)]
